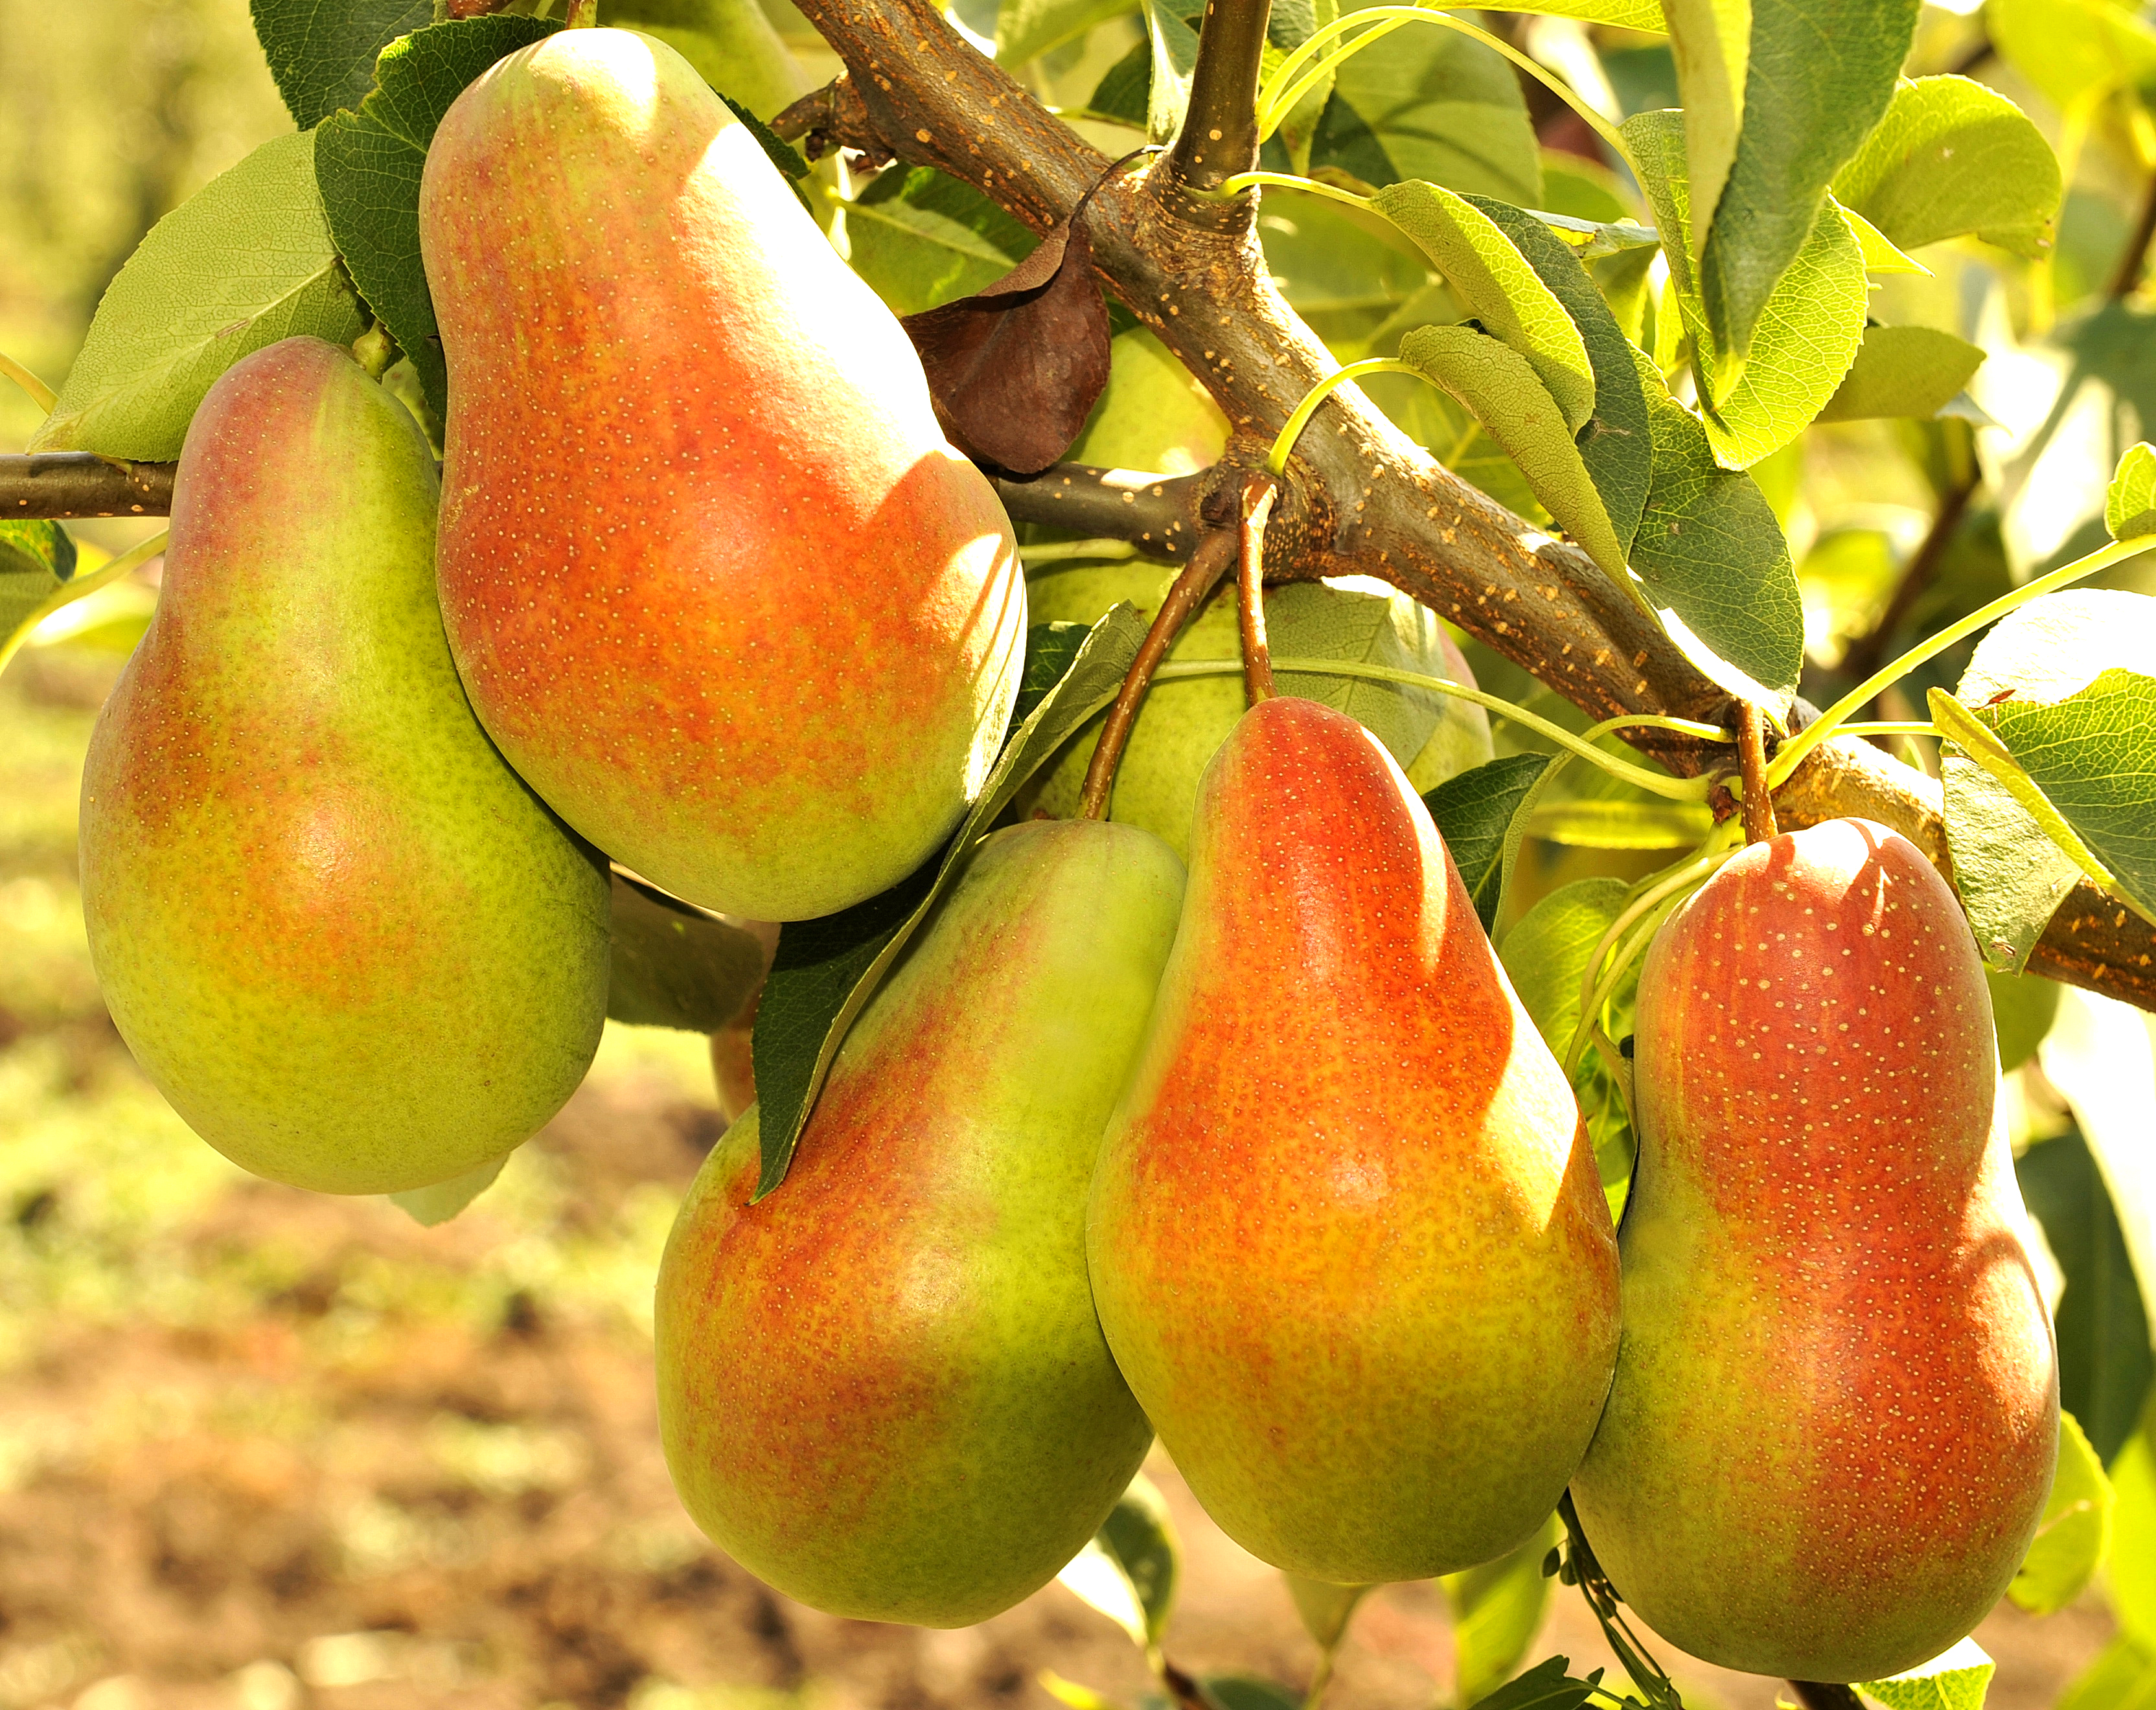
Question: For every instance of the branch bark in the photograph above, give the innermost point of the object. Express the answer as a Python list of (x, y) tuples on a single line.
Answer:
[(75, 484)]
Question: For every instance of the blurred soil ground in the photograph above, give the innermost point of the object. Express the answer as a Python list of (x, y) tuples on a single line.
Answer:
[(263, 1449)]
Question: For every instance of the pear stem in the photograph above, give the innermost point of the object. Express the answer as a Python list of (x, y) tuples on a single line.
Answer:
[(1818, 1695), (1759, 825), (1207, 565), (1257, 658)]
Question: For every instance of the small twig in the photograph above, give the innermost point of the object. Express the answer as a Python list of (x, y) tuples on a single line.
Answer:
[(75, 484), (2127, 280), (1207, 564), (834, 116), (1156, 513), (1863, 655), (1251, 595), (1182, 1687), (1752, 757), (1219, 134)]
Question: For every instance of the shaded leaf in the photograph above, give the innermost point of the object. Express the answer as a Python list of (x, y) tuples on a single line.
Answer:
[(826, 970), (2023, 1007), (2074, 1532), (1015, 368), (430, 1207), (1129, 1569), (1504, 393), (1326, 1609), (1365, 624), (920, 238), (2130, 1574), (369, 165), (1952, 158), (1820, 75), (1902, 371), (1497, 1609), (1174, 52), (1495, 284), (246, 261), (675, 965), (1711, 562), (2105, 1365), (1954, 1680), (1246, 1691), (1025, 29), (322, 57), (1546, 954), (1545, 1686), (1589, 239), (2129, 503), (1125, 91), (37, 560), (1473, 813), (1431, 103), (1614, 441)]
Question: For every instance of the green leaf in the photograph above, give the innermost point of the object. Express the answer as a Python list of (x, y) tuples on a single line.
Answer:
[(1495, 283), (2129, 504), (1626, 14), (1497, 1609), (1025, 29), (1881, 255), (1589, 239), (1711, 562), (429, 1207), (1820, 75), (1473, 812), (1125, 91), (2124, 1677), (2073, 48), (1807, 333), (1615, 441), (322, 57), (1326, 1609), (1428, 103), (1952, 158), (1365, 624), (37, 560), (2023, 1007), (1504, 393), (781, 153), (921, 239), (2075, 1532), (2105, 1364), (246, 261), (369, 164), (1546, 954), (1051, 649), (1174, 56), (2011, 876), (826, 970), (675, 965), (1545, 1686), (1710, 44), (1129, 1567), (1621, 824), (1953, 1681), (2130, 1576), (1246, 1691), (1903, 371)]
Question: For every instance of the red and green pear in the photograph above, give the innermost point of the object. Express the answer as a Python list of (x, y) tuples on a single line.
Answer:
[(349, 947), (717, 585), (1347, 1238), (1834, 1419), (882, 1387)]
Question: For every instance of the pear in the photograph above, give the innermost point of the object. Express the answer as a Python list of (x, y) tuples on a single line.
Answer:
[(349, 947), (1347, 1238), (1181, 724), (716, 584), (882, 1387), (1833, 1427)]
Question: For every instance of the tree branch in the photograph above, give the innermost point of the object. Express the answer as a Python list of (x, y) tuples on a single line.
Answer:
[(1158, 514), (75, 484), (1219, 134)]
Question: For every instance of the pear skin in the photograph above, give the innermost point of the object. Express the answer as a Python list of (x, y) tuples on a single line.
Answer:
[(1347, 1239), (882, 1387), (717, 585), (349, 947), (1835, 1414)]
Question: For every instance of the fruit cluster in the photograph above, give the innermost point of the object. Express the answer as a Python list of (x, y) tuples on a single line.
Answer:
[(1264, 1156)]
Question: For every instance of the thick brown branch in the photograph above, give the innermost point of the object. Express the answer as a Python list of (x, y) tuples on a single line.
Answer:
[(75, 484)]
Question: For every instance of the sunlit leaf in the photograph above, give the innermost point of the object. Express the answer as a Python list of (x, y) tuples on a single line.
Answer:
[(2075, 1532), (1953, 158), (1954, 1680), (1903, 371), (1497, 1609), (2129, 504)]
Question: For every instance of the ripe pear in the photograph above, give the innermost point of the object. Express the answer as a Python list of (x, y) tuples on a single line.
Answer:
[(1181, 724), (882, 1388), (1346, 1238), (349, 947), (717, 585), (1833, 1427)]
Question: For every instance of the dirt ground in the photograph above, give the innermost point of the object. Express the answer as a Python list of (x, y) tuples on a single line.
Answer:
[(262, 1450)]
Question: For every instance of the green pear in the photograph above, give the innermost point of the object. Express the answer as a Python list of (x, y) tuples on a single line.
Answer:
[(1347, 1238), (715, 581), (1833, 1427), (882, 1387), (347, 943), (1152, 415), (1181, 723)]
